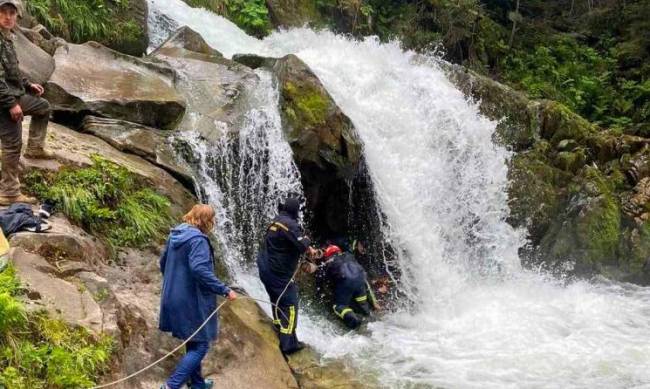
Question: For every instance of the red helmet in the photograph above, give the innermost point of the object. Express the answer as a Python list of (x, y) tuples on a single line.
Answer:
[(331, 250)]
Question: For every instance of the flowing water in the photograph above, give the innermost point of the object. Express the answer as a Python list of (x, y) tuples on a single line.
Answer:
[(478, 320)]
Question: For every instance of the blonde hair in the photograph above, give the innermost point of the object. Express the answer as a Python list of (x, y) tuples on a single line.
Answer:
[(201, 216)]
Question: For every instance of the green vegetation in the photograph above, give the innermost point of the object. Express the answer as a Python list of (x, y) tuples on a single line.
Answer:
[(79, 21), (592, 56), (107, 200), (37, 352), (250, 15)]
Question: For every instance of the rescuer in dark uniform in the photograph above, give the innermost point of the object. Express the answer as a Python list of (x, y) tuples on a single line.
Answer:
[(277, 262), (353, 297)]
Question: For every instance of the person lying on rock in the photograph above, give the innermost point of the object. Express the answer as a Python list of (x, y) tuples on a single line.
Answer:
[(353, 298), (277, 262), (189, 293)]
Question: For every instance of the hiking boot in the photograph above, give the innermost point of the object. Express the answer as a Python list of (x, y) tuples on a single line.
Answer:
[(207, 384), (38, 154), (21, 198)]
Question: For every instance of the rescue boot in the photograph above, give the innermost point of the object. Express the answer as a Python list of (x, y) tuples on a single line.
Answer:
[(352, 320), (299, 346)]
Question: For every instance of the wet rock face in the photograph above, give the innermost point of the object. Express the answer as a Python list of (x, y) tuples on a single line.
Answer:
[(326, 146), (215, 88), (91, 78), (578, 189)]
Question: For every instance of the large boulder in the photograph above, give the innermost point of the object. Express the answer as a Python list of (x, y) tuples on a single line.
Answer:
[(75, 149), (59, 297), (36, 64), (214, 87), (91, 78), (64, 241), (149, 143), (325, 143)]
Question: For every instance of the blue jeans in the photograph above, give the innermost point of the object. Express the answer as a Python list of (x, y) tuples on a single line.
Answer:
[(189, 368)]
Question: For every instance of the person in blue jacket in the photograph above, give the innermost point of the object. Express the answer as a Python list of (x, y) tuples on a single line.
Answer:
[(189, 293), (277, 262)]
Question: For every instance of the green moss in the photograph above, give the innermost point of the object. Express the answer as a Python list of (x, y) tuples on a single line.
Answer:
[(306, 106), (559, 123), (106, 200), (571, 161), (37, 352), (536, 190), (635, 249), (598, 225)]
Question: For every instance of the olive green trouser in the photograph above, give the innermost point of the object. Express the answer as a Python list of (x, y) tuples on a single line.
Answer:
[(11, 140)]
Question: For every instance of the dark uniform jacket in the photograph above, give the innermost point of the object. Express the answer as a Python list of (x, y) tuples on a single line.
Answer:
[(283, 245), (344, 266), (12, 82)]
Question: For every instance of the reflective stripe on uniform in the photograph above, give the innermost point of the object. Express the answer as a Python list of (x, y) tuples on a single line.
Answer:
[(344, 312), (279, 225), (361, 299), (373, 299), (292, 321)]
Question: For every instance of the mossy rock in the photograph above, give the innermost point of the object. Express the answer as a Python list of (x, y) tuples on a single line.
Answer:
[(558, 123), (588, 232), (635, 253), (571, 161), (317, 129), (536, 191)]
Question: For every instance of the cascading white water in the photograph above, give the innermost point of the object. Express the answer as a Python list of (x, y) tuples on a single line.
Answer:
[(441, 183), (246, 202)]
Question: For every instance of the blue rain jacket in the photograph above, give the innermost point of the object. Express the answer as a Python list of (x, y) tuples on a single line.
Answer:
[(189, 285)]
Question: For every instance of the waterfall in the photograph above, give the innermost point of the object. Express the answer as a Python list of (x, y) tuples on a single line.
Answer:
[(245, 177), (478, 320)]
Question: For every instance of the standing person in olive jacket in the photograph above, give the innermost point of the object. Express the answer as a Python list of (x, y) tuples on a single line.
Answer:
[(189, 293), (14, 105), (277, 262)]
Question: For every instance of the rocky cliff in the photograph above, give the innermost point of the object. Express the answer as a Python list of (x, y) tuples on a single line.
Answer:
[(128, 110)]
